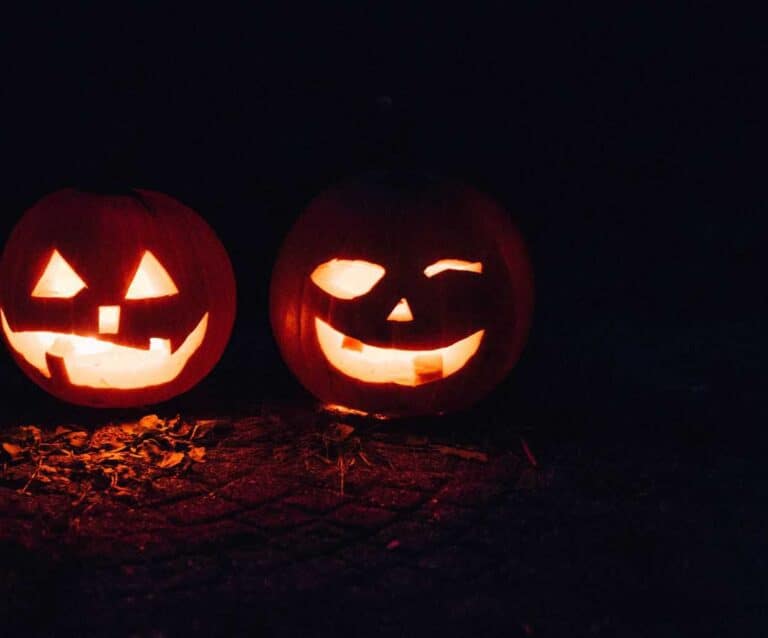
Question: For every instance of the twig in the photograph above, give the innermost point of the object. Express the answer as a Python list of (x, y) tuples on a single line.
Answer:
[(531, 458), (33, 476), (342, 470), (82, 496)]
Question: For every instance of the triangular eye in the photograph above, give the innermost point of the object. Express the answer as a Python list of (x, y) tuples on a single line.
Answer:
[(151, 280), (59, 279)]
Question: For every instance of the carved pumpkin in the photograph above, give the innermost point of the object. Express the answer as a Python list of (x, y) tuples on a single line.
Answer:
[(401, 295), (115, 300)]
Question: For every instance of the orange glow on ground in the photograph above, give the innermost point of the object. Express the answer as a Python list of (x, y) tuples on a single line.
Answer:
[(342, 410), (372, 364), (94, 363)]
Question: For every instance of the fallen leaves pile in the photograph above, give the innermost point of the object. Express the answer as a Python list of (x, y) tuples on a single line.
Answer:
[(124, 459), (120, 458)]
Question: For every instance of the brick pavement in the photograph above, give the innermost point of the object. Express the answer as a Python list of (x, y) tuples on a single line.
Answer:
[(429, 536)]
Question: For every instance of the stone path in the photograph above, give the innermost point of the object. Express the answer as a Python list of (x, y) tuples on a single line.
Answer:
[(428, 537)]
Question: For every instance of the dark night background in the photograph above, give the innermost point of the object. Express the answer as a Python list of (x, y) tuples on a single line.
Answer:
[(617, 138)]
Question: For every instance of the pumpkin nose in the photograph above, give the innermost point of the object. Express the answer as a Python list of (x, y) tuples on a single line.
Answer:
[(109, 319), (401, 311)]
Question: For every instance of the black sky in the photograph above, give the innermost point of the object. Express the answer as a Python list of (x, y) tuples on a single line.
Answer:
[(617, 137)]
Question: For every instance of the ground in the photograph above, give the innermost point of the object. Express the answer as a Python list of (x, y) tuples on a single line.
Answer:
[(302, 522)]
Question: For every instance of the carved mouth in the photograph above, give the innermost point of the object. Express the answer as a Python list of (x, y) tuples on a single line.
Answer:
[(372, 364), (91, 362)]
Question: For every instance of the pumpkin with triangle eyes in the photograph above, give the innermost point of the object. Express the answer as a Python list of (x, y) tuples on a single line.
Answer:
[(115, 300), (401, 295)]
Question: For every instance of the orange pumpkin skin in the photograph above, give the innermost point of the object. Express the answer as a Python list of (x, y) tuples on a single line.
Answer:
[(402, 225), (56, 316)]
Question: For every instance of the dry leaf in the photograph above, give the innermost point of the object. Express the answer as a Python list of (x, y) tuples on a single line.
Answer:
[(152, 447), (129, 428), (171, 459), (123, 458), (197, 454), (77, 439), (13, 450), (149, 451), (203, 426), (112, 446), (31, 432), (339, 432), (151, 422), (182, 428)]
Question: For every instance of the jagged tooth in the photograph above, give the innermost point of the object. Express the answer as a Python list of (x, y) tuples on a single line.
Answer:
[(428, 367), (160, 345), (61, 347), (57, 369)]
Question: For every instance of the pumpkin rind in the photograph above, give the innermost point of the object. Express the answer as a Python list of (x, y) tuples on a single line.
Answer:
[(480, 280), (104, 239)]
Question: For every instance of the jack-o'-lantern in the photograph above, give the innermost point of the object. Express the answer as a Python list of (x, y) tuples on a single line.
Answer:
[(401, 295), (115, 300)]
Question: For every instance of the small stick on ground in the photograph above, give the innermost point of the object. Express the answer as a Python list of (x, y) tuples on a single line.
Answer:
[(342, 470), (531, 458), (32, 477)]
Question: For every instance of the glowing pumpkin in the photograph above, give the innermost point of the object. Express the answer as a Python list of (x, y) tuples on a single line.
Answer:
[(401, 295), (115, 300)]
